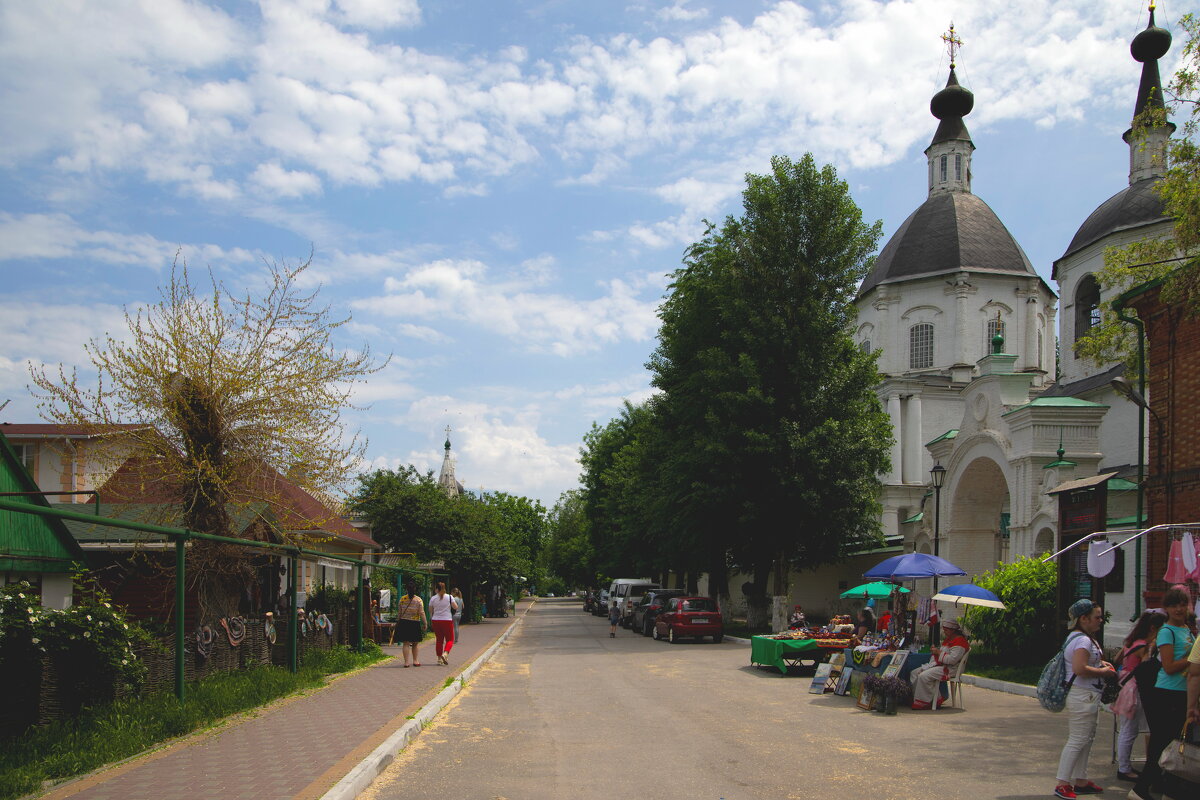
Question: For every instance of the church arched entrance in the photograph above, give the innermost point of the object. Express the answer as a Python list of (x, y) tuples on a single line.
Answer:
[(977, 535)]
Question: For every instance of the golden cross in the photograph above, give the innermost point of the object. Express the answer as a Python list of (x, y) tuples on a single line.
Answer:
[(952, 44)]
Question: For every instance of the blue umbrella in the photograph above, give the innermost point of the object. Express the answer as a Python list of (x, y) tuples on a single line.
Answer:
[(969, 594), (911, 566)]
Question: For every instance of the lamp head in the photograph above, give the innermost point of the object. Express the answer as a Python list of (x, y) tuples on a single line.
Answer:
[(938, 475)]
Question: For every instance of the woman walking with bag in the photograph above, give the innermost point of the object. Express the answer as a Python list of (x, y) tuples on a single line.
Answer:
[(1088, 669), (1138, 646), (410, 623), (441, 615), (1166, 704)]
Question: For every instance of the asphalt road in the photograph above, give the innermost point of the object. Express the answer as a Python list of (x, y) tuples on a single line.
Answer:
[(563, 711)]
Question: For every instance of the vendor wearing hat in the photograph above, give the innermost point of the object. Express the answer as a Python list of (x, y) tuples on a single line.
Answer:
[(927, 678)]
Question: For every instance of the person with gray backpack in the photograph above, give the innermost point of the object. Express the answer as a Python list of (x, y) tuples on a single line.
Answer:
[(1083, 662)]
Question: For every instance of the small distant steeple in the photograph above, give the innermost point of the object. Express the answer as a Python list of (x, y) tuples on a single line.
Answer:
[(950, 151), (1148, 144), (447, 480)]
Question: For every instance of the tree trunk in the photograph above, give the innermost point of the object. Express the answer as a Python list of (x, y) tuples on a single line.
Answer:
[(779, 601)]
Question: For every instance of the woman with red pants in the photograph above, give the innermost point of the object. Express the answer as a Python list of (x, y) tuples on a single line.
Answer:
[(441, 613)]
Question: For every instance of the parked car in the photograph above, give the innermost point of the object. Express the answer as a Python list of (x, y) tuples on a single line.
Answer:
[(650, 606), (689, 616), (600, 609), (627, 592)]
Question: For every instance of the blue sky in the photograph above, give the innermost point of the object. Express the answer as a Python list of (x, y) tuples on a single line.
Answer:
[(497, 190)]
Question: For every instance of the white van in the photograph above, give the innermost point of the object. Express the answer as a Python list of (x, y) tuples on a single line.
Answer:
[(626, 593)]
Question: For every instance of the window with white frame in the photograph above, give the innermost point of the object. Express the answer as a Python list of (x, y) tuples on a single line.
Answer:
[(920, 346), (994, 326)]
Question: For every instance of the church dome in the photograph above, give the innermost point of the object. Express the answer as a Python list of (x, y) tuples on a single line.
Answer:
[(949, 232), (1132, 207)]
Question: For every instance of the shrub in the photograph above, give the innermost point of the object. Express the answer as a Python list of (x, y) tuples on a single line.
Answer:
[(1025, 632)]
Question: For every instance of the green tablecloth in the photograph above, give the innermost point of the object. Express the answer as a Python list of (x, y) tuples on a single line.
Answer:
[(775, 652)]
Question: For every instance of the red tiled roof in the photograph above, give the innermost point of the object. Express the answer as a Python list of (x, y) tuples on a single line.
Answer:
[(56, 431), (292, 508)]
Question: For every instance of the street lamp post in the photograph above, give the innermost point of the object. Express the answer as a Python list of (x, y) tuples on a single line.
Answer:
[(938, 476)]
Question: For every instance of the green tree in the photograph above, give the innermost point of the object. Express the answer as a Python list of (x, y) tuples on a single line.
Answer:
[(775, 437), (569, 552), (1026, 631), (1174, 260)]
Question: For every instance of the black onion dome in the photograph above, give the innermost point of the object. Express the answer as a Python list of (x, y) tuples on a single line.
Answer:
[(949, 232), (950, 105), (1135, 205), (1151, 44)]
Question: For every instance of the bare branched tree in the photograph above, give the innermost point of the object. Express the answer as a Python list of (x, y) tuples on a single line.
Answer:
[(215, 392)]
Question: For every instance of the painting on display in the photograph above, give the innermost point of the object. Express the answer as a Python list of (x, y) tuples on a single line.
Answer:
[(821, 679)]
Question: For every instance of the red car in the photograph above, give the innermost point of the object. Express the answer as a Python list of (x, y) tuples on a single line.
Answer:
[(689, 616)]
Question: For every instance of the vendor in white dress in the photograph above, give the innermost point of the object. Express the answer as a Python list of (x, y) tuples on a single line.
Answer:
[(926, 678)]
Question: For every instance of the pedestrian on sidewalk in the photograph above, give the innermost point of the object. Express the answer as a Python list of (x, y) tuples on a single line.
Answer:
[(1166, 707), (614, 616), (458, 610), (1086, 664), (1138, 647), (441, 613), (410, 623)]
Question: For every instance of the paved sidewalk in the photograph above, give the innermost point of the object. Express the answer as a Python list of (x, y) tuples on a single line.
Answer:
[(297, 748)]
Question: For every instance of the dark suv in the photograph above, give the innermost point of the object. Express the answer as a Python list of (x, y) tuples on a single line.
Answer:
[(652, 603)]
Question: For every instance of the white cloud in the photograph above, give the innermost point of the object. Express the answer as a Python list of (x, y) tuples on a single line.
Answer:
[(380, 13), (130, 86), (50, 236), (497, 447), (285, 183), (561, 325)]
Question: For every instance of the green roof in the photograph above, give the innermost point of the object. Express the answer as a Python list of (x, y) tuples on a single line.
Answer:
[(1121, 485), (30, 542), (917, 517), (1123, 522), (950, 434), (1056, 402)]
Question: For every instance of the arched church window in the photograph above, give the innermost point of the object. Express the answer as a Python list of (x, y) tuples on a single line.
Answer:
[(943, 169), (957, 167), (1087, 306), (866, 346), (920, 346), (994, 326)]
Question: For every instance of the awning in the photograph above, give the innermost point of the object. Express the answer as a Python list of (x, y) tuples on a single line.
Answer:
[(333, 563), (1081, 483)]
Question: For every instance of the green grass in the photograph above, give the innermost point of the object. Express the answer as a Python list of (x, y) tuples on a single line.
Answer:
[(985, 667), (125, 728)]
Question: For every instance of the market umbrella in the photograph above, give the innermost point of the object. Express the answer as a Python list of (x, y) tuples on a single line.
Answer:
[(911, 566), (969, 594), (877, 589)]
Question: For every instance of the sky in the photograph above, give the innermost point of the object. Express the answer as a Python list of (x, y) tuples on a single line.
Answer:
[(497, 191)]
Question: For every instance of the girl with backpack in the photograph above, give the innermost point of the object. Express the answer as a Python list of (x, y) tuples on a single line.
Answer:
[(1166, 704), (1088, 670), (1138, 646)]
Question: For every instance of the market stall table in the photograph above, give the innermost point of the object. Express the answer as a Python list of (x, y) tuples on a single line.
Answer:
[(781, 653)]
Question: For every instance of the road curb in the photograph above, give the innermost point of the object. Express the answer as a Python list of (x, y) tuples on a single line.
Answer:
[(370, 767), (1000, 686)]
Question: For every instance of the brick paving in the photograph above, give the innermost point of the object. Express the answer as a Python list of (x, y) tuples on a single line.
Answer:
[(297, 748)]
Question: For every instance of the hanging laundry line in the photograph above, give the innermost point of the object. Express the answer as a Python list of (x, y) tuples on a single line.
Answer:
[(1170, 526), (1090, 536)]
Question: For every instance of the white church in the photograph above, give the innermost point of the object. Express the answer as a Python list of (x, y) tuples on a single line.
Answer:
[(966, 329)]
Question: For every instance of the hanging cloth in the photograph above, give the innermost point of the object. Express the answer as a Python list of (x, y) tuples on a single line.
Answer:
[(1176, 572), (1195, 575), (1187, 549), (1100, 565), (385, 599)]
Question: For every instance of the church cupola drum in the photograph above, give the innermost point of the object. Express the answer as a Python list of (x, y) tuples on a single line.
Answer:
[(952, 277)]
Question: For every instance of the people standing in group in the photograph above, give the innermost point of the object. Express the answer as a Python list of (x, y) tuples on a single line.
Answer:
[(1138, 646), (441, 615), (1166, 706), (410, 624), (1088, 670), (458, 610)]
